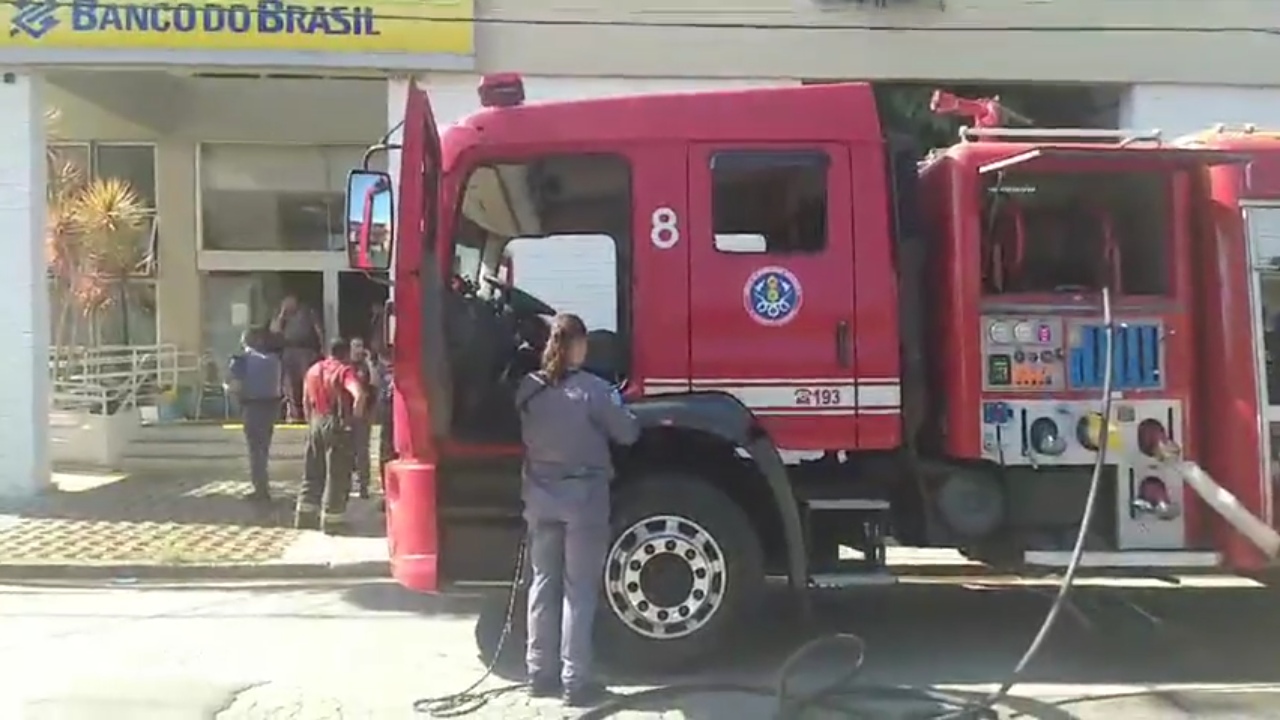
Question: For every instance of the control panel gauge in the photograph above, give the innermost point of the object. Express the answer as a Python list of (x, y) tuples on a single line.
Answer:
[(1024, 332), (1023, 354), (1000, 333)]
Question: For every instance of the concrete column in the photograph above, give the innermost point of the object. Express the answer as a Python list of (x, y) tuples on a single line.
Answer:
[(24, 326), (178, 284)]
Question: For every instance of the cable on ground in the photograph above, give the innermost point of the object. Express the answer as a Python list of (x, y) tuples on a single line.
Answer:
[(845, 695)]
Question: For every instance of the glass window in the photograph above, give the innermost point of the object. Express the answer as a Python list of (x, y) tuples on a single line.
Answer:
[(134, 164), (126, 316), (572, 273), (274, 197), (778, 196), (73, 165), (1264, 236), (68, 164)]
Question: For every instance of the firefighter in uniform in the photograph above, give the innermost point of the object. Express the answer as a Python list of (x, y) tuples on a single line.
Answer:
[(255, 380), (332, 396), (568, 419)]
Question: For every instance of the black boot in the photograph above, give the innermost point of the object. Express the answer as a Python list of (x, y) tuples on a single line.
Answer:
[(306, 520), (545, 687), (587, 695)]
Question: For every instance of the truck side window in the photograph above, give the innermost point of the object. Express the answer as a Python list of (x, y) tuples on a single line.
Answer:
[(778, 197)]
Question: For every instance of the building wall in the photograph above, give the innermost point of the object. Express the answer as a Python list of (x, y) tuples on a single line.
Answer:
[(206, 110), (988, 40), (1183, 109)]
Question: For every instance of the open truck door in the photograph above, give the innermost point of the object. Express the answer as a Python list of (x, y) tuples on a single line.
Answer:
[(398, 231)]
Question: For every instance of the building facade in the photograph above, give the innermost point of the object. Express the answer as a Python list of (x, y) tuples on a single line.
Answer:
[(238, 122)]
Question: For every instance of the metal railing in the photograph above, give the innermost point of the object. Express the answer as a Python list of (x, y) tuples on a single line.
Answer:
[(107, 379)]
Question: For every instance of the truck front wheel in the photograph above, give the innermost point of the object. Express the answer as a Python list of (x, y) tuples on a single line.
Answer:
[(683, 570)]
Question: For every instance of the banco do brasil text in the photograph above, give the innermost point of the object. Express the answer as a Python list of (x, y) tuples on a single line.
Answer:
[(263, 17)]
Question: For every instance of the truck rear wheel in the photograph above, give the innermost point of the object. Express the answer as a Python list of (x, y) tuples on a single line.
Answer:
[(684, 568)]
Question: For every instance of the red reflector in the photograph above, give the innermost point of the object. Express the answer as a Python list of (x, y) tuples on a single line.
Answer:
[(1151, 435), (1153, 490), (501, 90)]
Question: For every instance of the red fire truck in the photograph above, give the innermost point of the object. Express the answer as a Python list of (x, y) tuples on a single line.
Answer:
[(828, 341)]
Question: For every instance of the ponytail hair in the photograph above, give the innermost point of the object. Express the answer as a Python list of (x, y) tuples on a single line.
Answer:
[(566, 329)]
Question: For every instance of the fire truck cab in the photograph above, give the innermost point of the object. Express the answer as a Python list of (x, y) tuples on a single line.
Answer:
[(825, 342)]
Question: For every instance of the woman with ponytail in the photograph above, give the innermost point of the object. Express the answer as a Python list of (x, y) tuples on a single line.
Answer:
[(568, 420)]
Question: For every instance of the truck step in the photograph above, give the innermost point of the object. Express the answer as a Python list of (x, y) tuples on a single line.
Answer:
[(875, 577), (866, 523), (1183, 559), (847, 504)]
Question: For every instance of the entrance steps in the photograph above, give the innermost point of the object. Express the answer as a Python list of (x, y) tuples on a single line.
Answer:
[(213, 447)]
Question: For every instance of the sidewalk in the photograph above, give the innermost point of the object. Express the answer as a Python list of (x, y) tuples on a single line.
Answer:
[(144, 525)]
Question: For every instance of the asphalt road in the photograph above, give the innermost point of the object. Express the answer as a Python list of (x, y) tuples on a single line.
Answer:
[(367, 650)]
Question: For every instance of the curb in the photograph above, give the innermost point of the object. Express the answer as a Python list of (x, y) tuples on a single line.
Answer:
[(378, 569)]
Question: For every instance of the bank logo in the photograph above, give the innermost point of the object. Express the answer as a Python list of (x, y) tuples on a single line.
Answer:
[(33, 18)]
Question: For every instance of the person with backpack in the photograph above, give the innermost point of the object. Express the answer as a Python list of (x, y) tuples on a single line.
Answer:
[(332, 396), (254, 378), (568, 419)]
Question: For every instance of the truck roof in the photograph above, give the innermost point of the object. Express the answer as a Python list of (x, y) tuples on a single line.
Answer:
[(1261, 180), (808, 113)]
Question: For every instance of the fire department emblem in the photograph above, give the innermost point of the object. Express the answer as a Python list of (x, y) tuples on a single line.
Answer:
[(772, 296)]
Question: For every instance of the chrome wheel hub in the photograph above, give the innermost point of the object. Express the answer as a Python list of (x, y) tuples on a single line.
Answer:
[(665, 577)]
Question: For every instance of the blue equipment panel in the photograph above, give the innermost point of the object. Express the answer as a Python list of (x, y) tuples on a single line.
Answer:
[(1137, 349)]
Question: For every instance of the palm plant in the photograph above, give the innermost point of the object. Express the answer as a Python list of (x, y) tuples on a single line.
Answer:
[(93, 240)]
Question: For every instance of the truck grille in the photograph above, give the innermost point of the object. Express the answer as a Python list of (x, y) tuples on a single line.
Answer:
[(1137, 357)]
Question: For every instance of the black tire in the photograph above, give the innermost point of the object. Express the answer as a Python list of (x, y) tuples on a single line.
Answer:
[(742, 572)]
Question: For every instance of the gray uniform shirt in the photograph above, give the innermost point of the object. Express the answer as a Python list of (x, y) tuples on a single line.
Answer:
[(567, 429), (299, 327)]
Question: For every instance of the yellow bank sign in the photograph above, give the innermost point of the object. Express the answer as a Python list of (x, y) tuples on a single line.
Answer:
[(406, 26)]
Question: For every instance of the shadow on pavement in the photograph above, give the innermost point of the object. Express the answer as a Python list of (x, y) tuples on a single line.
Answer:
[(160, 498), (385, 596), (202, 499), (949, 635)]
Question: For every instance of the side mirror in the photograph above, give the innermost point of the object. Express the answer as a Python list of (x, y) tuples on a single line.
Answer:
[(370, 218)]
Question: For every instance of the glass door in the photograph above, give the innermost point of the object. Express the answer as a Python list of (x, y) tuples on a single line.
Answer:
[(1263, 227)]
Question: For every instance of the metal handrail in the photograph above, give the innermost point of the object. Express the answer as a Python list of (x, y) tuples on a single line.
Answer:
[(1120, 136), (111, 379)]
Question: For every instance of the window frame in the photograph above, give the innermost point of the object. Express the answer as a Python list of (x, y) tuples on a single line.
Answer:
[(816, 158), (334, 247)]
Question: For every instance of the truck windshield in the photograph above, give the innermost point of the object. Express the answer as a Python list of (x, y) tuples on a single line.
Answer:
[(1072, 232)]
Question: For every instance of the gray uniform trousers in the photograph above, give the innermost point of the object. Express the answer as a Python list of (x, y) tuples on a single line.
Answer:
[(567, 548), (259, 426)]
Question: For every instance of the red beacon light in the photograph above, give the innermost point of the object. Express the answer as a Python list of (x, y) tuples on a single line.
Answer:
[(501, 90)]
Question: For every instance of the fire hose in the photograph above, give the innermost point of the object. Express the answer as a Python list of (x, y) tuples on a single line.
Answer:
[(1263, 536), (846, 695)]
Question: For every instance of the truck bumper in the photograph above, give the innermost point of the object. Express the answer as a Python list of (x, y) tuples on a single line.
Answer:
[(412, 530)]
